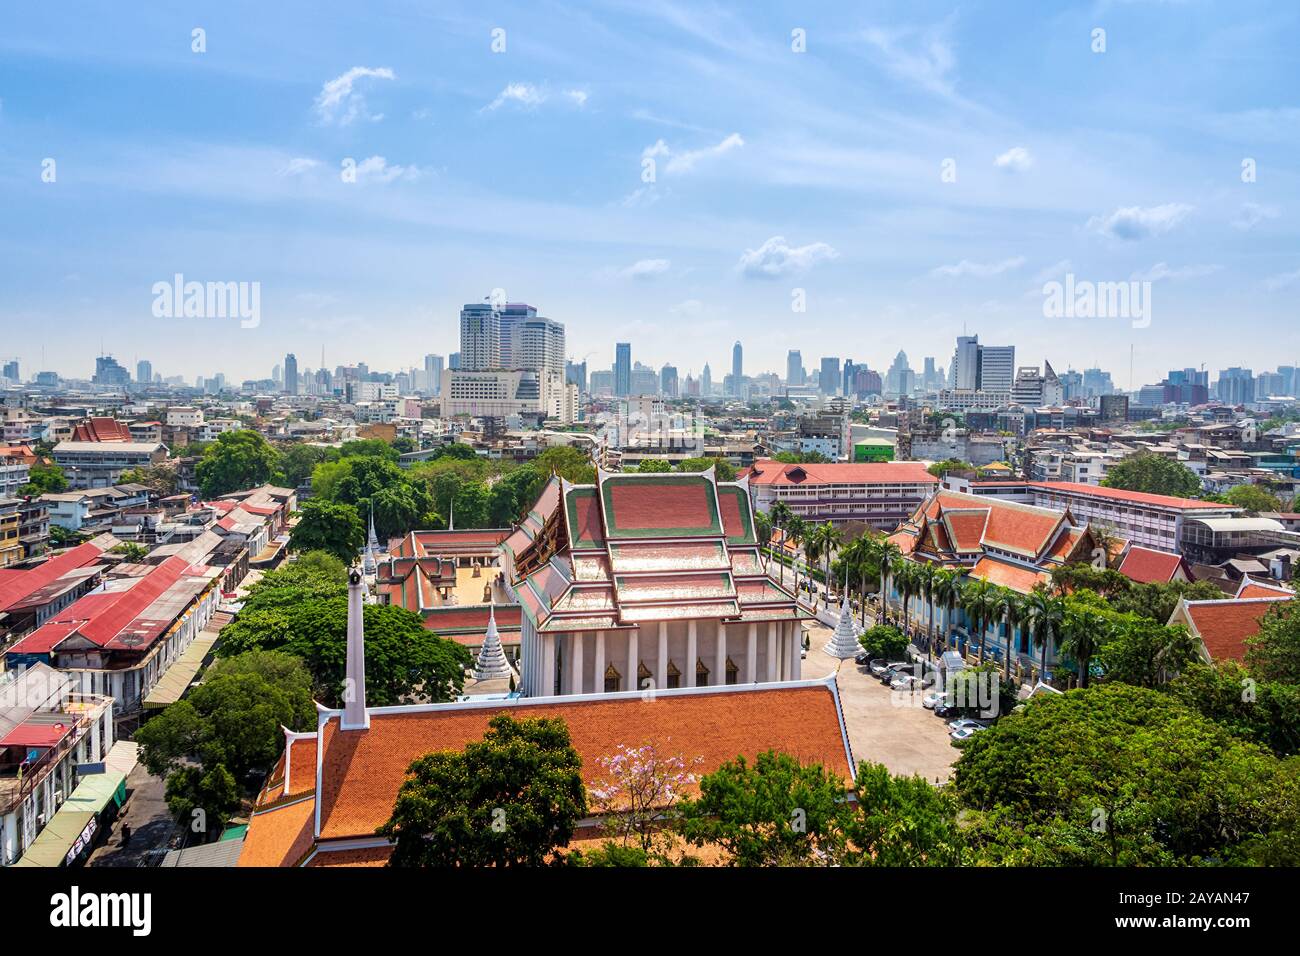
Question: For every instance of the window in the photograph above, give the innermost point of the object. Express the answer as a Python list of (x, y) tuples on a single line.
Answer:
[(674, 676), (613, 680), (701, 674), (733, 672)]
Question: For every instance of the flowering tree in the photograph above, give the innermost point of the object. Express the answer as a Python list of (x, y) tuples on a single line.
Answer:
[(638, 791)]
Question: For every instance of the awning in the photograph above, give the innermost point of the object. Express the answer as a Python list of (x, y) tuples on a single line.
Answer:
[(178, 677), (75, 820)]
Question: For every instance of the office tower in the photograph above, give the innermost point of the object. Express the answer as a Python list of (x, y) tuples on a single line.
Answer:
[(900, 380), (433, 374), (1096, 383), (575, 373), (453, 361), (829, 379), (793, 367), (623, 369), (846, 377), (530, 341), (291, 374), (930, 377), (109, 372), (737, 368), (1236, 386), (966, 362), (277, 376), (144, 372), (668, 381), (11, 370), (997, 368), (706, 381), (480, 337), (1288, 379)]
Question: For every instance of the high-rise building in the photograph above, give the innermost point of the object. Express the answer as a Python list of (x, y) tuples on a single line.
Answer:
[(433, 374), (1096, 383), (793, 367), (144, 372), (291, 374), (829, 380), (623, 369), (900, 380), (997, 368), (109, 372), (480, 337), (737, 368), (453, 361), (11, 370), (706, 381), (668, 381), (1236, 386), (530, 341), (575, 373)]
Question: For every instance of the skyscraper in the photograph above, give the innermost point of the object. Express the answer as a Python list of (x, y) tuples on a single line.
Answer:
[(291, 374), (433, 374), (623, 369), (737, 368), (144, 372), (480, 337), (11, 370), (706, 381), (793, 367), (829, 380), (109, 372), (988, 368), (575, 373), (668, 381)]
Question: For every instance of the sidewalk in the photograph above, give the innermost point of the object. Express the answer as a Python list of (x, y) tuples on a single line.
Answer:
[(151, 822)]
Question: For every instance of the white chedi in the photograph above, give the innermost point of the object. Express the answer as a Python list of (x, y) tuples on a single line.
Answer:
[(844, 642), (492, 663)]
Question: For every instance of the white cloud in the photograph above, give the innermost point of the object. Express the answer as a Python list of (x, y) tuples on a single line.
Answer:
[(1161, 270), (1016, 159), (298, 165), (776, 258), (339, 103), (1140, 222), (686, 160), (689, 307), (1277, 282), (980, 270), (376, 169), (1054, 271), (921, 57), (1252, 214), (528, 96), (646, 269)]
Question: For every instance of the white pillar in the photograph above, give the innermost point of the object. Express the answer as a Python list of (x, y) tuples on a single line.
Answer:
[(661, 666), (720, 659), (548, 665), (576, 681), (692, 637), (598, 673), (633, 660), (772, 661), (751, 656), (796, 650)]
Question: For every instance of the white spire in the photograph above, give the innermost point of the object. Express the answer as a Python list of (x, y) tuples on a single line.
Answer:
[(355, 715), (492, 663), (844, 642), (372, 545), (451, 520)]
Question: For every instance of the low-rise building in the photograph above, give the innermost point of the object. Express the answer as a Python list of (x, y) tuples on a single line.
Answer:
[(880, 494), (99, 464)]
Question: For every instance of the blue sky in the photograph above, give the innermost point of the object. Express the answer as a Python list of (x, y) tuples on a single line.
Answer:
[(774, 171)]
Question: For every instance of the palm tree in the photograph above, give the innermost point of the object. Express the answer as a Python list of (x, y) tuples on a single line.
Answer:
[(763, 533), (795, 531), (1012, 607), (925, 574), (1045, 615), (907, 581), (947, 591), (813, 543), (1084, 631), (781, 514), (832, 538), (888, 553), (979, 603)]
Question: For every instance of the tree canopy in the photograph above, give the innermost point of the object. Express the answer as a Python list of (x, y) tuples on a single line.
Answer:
[(330, 527), (235, 461), (1153, 474)]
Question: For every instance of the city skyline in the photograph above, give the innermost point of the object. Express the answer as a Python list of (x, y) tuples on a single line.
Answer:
[(819, 171)]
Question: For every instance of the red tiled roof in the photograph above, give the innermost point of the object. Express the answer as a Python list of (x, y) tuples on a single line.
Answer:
[(101, 429), (1223, 626), (1021, 580), (16, 588), (669, 505), (1149, 566), (1117, 494), (766, 471), (37, 734)]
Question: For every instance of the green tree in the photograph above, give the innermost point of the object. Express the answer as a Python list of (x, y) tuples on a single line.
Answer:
[(512, 799), (200, 797), (1266, 713), (330, 527), (568, 462), (298, 460), (1153, 474), (160, 479), (404, 659), (903, 821), (1273, 653), (775, 812), (235, 461), (884, 641), (1136, 650), (44, 480), (1157, 601), (130, 551), (1253, 498), (369, 448), (653, 466), (724, 470)]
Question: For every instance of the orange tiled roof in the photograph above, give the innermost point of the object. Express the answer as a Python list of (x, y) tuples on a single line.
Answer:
[(279, 836), (1021, 580), (766, 471), (1223, 626), (1250, 588), (1117, 494), (1150, 566)]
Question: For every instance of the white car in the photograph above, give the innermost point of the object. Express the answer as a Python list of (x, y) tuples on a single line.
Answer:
[(963, 723), (934, 699), (909, 682), (965, 733)]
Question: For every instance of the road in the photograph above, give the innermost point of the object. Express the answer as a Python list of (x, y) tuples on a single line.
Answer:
[(151, 825)]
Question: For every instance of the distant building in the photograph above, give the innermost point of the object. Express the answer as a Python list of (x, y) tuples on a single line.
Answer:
[(881, 494), (109, 372), (291, 374), (143, 372), (623, 369)]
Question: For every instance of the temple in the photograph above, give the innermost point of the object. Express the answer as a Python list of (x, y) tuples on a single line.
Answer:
[(644, 581)]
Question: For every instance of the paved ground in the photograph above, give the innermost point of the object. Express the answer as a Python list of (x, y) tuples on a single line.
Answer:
[(151, 825), (884, 727), (469, 586)]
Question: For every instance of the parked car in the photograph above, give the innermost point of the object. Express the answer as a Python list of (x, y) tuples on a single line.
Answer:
[(862, 659), (965, 733), (966, 722), (934, 699), (878, 666)]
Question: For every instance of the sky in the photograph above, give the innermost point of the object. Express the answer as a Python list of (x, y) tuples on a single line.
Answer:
[(676, 175)]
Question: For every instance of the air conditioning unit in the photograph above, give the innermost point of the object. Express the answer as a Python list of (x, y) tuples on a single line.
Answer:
[(58, 797)]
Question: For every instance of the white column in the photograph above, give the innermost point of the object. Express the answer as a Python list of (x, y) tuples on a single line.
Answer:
[(772, 661), (661, 666), (692, 637), (751, 655), (598, 673), (796, 650), (548, 665), (633, 658), (576, 681), (720, 659)]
